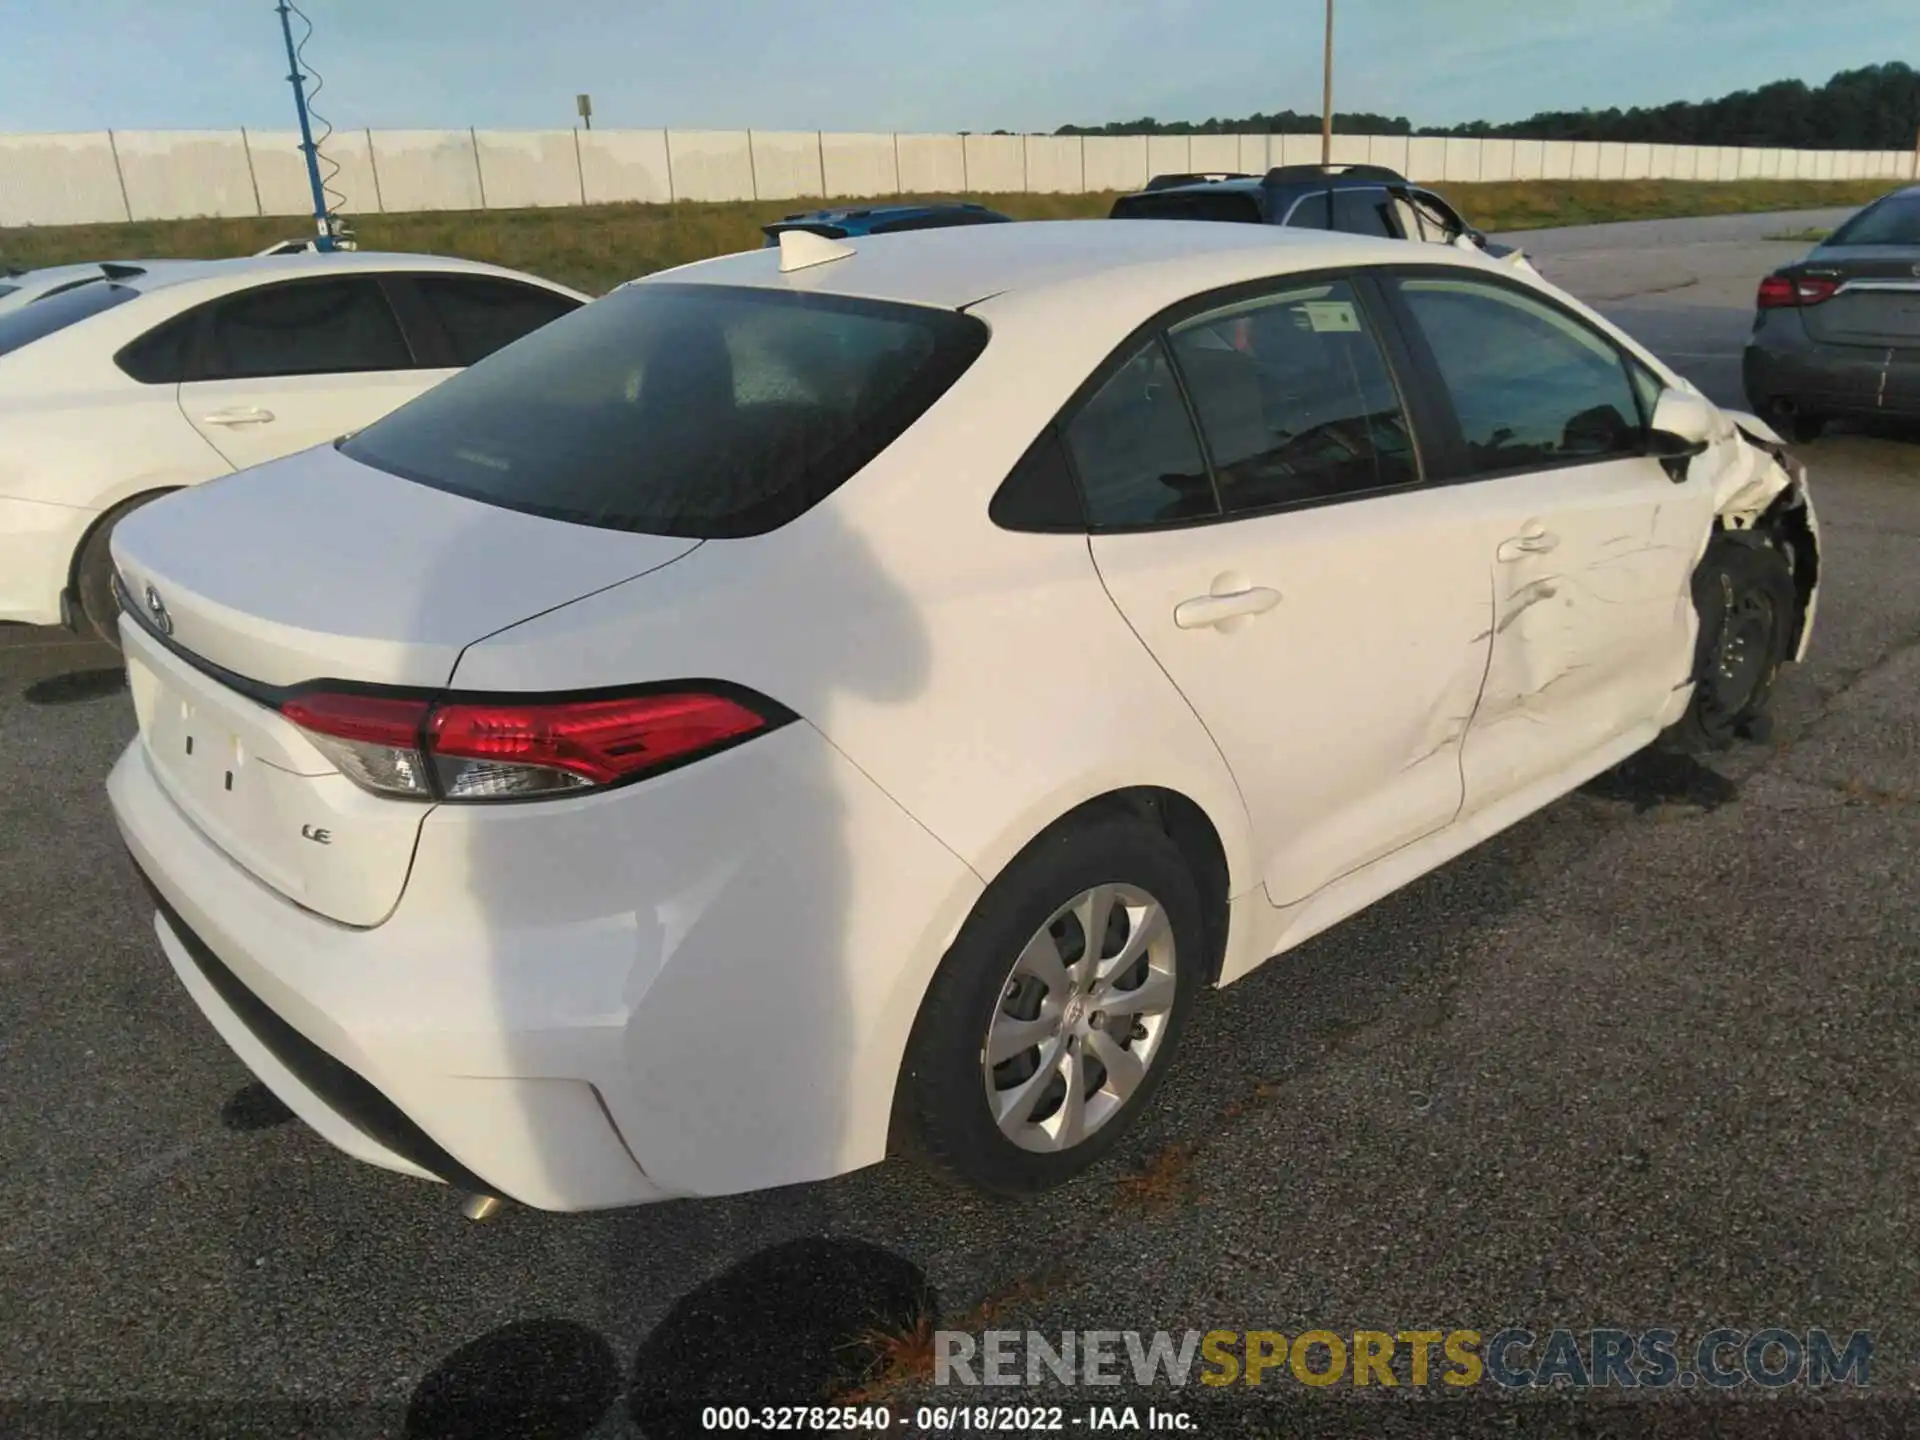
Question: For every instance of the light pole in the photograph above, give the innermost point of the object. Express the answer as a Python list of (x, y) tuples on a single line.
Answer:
[(1326, 94), (322, 219)]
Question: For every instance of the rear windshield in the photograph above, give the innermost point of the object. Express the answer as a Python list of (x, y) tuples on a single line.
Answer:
[(57, 311), (704, 411), (1190, 205), (1894, 221)]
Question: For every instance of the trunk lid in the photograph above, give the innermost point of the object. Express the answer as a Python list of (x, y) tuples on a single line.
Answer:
[(317, 567), (1878, 303)]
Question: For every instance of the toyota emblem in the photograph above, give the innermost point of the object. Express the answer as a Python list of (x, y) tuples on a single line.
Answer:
[(157, 608)]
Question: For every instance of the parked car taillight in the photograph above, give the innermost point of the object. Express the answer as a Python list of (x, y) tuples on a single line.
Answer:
[(504, 749), (1784, 291)]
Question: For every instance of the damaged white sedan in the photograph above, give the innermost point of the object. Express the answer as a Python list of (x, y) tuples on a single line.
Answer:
[(855, 696)]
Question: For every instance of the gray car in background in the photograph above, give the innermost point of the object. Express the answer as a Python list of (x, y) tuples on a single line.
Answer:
[(1838, 333)]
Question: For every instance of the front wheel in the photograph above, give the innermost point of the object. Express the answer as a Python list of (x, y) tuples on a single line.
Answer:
[(1743, 592), (1051, 1021)]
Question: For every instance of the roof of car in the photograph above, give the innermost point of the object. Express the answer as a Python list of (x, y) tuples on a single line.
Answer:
[(952, 268)]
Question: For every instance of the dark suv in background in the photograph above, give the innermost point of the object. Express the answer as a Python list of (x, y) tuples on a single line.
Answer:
[(1359, 199)]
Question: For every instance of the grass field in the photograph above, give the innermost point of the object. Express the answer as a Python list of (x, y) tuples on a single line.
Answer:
[(595, 247)]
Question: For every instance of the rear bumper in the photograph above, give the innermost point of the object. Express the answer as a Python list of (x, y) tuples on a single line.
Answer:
[(702, 984), (37, 543), (1830, 379)]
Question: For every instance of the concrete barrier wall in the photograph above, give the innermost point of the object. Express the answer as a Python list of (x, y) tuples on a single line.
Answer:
[(860, 165), (932, 164), (59, 179), (1116, 162), (710, 164), (625, 166), (996, 165), (104, 177), (527, 169), (786, 164), (1053, 165)]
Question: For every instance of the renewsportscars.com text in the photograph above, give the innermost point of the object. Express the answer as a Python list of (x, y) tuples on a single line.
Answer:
[(1511, 1358)]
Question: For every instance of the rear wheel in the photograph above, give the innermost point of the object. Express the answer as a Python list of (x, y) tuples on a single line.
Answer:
[(1051, 1021), (1744, 594), (99, 615)]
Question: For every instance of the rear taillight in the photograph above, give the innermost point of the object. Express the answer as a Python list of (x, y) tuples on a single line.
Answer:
[(1779, 292), (475, 749)]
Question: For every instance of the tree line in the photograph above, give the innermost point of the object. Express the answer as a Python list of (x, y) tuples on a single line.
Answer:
[(1876, 107)]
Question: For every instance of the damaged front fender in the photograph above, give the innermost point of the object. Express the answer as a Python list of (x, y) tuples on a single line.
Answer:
[(1762, 487)]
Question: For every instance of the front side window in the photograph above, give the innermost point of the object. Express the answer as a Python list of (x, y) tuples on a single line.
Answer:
[(1531, 386), (705, 411), (1295, 399), (480, 315), (304, 327), (1134, 449)]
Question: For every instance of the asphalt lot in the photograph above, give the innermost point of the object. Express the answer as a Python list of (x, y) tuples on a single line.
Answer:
[(1650, 1058)]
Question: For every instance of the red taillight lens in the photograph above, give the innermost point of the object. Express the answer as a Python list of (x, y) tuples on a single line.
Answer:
[(481, 749), (493, 750), (1782, 291)]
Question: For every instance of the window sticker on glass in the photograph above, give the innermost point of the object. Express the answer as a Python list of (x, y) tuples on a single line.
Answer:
[(1331, 316)]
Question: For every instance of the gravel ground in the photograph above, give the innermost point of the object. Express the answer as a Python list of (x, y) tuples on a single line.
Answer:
[(1648, 1059)]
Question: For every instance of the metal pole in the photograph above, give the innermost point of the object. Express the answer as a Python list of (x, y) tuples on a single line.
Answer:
[(1326, 94), (322, 224)]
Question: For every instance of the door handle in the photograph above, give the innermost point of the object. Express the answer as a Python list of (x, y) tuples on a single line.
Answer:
[(1532, 542), (240, 415), (1207, 610)]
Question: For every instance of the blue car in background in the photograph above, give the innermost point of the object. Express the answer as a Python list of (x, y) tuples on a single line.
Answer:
[(883, 220)]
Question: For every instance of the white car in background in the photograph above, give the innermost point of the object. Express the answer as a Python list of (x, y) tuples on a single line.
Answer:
[(853, 696), (125, 381)]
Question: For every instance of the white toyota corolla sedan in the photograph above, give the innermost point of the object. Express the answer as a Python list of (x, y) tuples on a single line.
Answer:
[(120, 382), (853, 697)]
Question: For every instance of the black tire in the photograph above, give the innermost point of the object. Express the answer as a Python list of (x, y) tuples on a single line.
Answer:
[(1802, 427), (93, 576), (942, 1114), (1744, 594)]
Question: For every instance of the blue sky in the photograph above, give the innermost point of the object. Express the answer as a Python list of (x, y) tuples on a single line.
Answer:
[(903, 64)]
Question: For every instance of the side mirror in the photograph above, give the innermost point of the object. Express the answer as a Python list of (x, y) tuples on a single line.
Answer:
[(1684, 424), (1686, 416), (1467, 240)]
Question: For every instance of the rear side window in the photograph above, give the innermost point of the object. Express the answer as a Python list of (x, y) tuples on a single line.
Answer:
[(481, 315), (162, 355), (1234, 205), (1295, 399), (1892, 221), (1134, 449), (56, 312), (1531, 386), (8, 289), (705, 411), (305, 327)]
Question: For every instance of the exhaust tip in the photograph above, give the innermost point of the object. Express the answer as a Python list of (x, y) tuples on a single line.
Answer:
[(482, 1207)]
